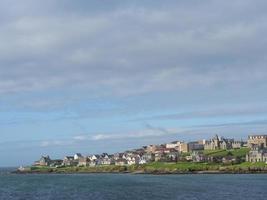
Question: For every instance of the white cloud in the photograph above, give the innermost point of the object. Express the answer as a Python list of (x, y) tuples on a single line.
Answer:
[(148, 132), (49, 143)]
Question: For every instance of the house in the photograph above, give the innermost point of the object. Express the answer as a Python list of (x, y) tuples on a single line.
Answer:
[(70, 161), (44, 161), (121, 162), (148, 157), (77, 156), (172, 156), (106, 160), (133, 160), (257, 154), (94, 157), (228, 160), (93, 163), (160, 156), (142, 161), (151, 148), (198, 157), (117, 156), (189, 158), (83, 161), (56, 163)]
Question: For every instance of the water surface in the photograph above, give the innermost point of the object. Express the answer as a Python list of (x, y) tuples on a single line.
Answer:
[(133, 187)]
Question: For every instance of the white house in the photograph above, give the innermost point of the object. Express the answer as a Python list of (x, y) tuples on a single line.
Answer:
[(77, 156), (133, 160)]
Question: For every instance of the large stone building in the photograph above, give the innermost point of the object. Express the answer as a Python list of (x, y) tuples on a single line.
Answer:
[(260, 140), (257, 154), (218, 143), (184, 147)]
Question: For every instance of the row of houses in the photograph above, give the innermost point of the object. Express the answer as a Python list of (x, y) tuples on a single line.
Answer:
[(120, 159), (169, 152)]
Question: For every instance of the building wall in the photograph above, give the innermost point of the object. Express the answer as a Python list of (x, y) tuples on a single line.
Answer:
[(172, 146), (184, 147), (257, 155), (260, 140)]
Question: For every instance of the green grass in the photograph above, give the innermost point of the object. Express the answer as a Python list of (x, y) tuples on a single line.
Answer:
[(222, 153), (240, 152), (249, 164)]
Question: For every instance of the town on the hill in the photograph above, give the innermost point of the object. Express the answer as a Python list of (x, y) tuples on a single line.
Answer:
[(215, 150)]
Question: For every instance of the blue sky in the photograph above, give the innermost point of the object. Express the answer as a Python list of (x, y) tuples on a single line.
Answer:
[(105, 76)]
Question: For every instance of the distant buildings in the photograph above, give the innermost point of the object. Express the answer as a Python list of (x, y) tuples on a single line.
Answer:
[(195, 146), (171, 152), (46, 161), (260, 140), (183, 148), (83, 161), (70, 161), (257, 154), (222, 143)]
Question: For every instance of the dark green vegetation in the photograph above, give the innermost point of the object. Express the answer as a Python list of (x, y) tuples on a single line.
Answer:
[(96, 169), (159, 168), (189, 167)]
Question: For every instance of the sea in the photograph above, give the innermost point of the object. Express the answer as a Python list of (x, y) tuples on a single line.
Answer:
[(131, 186)]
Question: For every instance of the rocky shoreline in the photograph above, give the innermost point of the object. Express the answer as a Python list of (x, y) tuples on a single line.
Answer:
[(143, 170)]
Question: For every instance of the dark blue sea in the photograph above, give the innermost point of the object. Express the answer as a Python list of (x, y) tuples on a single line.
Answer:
[(133, 187)]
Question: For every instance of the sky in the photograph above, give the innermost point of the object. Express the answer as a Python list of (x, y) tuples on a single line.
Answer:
[(94, 76)]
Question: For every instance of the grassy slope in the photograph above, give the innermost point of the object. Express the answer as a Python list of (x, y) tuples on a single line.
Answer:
[(221, 153)]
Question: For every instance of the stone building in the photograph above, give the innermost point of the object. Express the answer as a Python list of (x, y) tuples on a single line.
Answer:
[(218, 143), (257, 154), (184, 147), (260, 140)]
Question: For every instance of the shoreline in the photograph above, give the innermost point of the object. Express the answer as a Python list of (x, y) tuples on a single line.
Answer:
[(143, 173), (156, 168)]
